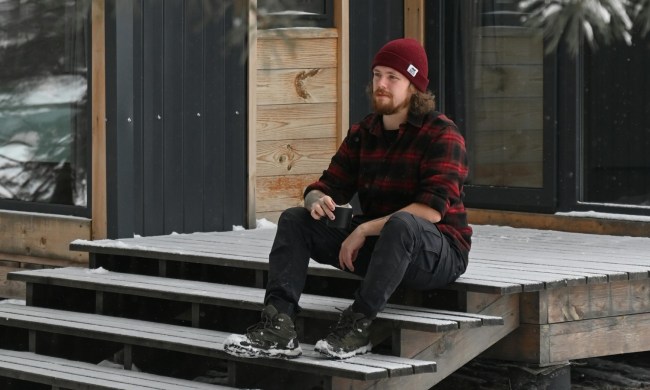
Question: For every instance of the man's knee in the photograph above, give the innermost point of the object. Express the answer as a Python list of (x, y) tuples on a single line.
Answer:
[(401, 221), (294, 214)]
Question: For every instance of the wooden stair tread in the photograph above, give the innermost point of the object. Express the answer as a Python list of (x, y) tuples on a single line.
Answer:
[(199, 342), (245, 297), (79, 375)]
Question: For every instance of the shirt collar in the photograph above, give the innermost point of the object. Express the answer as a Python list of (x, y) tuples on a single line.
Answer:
[(375, 126)]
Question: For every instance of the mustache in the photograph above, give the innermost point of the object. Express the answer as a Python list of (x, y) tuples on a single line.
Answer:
[(382, 92)]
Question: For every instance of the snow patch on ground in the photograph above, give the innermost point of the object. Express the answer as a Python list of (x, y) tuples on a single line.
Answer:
[(595, 214), (261, 224), (99, 270), (13, 302)]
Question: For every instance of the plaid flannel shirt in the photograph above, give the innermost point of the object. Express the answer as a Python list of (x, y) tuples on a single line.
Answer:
[(427, 164)]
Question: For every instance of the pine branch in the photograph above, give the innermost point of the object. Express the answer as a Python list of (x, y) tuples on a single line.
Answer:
[(597, 21)]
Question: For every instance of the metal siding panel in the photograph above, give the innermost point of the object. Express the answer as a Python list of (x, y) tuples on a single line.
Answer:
[(187, 172), (153, 118), (235, 127), (138, 124), (173, 112), (382, 21), (193, 84), (119, 114), (214, 97)]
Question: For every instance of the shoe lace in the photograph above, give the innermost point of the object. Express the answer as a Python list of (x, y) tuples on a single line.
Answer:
[(265, 323), (344, 324)]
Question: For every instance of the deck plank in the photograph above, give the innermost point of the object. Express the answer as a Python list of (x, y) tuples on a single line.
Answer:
[(239, 297), (502, 260), (196, 341), (78, 375)]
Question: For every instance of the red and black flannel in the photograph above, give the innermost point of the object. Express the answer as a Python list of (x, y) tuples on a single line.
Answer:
[(427, 164)]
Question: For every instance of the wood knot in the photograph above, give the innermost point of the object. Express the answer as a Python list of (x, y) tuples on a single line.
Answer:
[(299, 82), (287, 156)]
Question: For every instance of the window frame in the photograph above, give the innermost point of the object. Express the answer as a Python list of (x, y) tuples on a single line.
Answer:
[(542, 199), (571, 80), (62, 209)]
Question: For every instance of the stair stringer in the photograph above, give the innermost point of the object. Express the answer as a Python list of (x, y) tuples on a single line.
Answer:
[(450, 350)]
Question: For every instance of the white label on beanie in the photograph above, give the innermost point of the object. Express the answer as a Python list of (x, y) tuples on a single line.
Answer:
[(412, 70)]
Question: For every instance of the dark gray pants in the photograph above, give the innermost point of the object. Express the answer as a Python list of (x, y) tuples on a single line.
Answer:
[(409, 250)]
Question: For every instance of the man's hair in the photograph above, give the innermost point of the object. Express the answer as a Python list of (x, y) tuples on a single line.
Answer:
[(421, 102)]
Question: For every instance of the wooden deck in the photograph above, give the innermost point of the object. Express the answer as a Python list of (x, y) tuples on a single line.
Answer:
[(582, 295), (503, 260), (530, 297)]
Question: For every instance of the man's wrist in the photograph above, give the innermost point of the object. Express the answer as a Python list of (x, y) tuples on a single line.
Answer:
[(311, 197)]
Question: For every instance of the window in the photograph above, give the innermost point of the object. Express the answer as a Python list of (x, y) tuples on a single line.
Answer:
[(493, 80), (294, 13), (44, 102), (615, 136)]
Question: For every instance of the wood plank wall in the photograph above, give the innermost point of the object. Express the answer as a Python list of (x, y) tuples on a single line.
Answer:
[(296, 125), (33, 240)]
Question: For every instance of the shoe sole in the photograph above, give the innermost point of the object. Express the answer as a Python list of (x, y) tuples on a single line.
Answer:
[(234, 347), (326, 349)]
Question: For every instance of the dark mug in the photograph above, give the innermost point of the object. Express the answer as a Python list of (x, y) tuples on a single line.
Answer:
[(342, 218)]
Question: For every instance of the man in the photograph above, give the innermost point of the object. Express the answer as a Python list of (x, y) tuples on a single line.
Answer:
[(407, 163)]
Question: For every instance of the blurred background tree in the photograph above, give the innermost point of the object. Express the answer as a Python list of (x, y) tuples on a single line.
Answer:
[(598, 21)]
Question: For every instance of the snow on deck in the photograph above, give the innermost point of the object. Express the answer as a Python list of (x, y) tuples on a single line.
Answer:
[(502, 259)]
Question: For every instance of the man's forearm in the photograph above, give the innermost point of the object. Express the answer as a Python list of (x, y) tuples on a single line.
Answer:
[(373, 227)]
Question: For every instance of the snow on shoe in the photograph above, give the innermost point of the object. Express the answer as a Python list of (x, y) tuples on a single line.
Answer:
[(240, 345), (328, 350)]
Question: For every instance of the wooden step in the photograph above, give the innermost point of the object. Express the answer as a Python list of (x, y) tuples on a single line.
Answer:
[(321, 307), (201, 342), (244, 250), (69, 374)]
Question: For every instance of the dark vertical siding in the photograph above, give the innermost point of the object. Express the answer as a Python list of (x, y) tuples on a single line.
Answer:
[(150, 215), (193, 125), (187, 169), (120, 17), (215, 141), (372, 24), (173, 108), (225, 109)]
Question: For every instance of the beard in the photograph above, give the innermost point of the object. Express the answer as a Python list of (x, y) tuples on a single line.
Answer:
[(384, 104)]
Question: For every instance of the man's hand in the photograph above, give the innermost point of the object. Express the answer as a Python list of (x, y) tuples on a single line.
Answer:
[(320, 205), (350, 249)]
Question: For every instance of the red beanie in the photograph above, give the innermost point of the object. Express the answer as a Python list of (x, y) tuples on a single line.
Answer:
[(406, 56)]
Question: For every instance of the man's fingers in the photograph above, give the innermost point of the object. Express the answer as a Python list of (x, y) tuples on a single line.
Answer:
[(346, 262), (323, 208)]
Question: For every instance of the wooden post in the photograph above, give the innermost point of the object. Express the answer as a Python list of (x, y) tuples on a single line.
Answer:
[(251, 207), (342, 22), (32, 340), (414, 19), (196, 315), (128, 357), (98, 190), (99, 302)]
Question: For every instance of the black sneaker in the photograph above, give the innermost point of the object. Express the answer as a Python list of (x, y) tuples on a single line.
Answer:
[(350, 336), (273, 336)]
